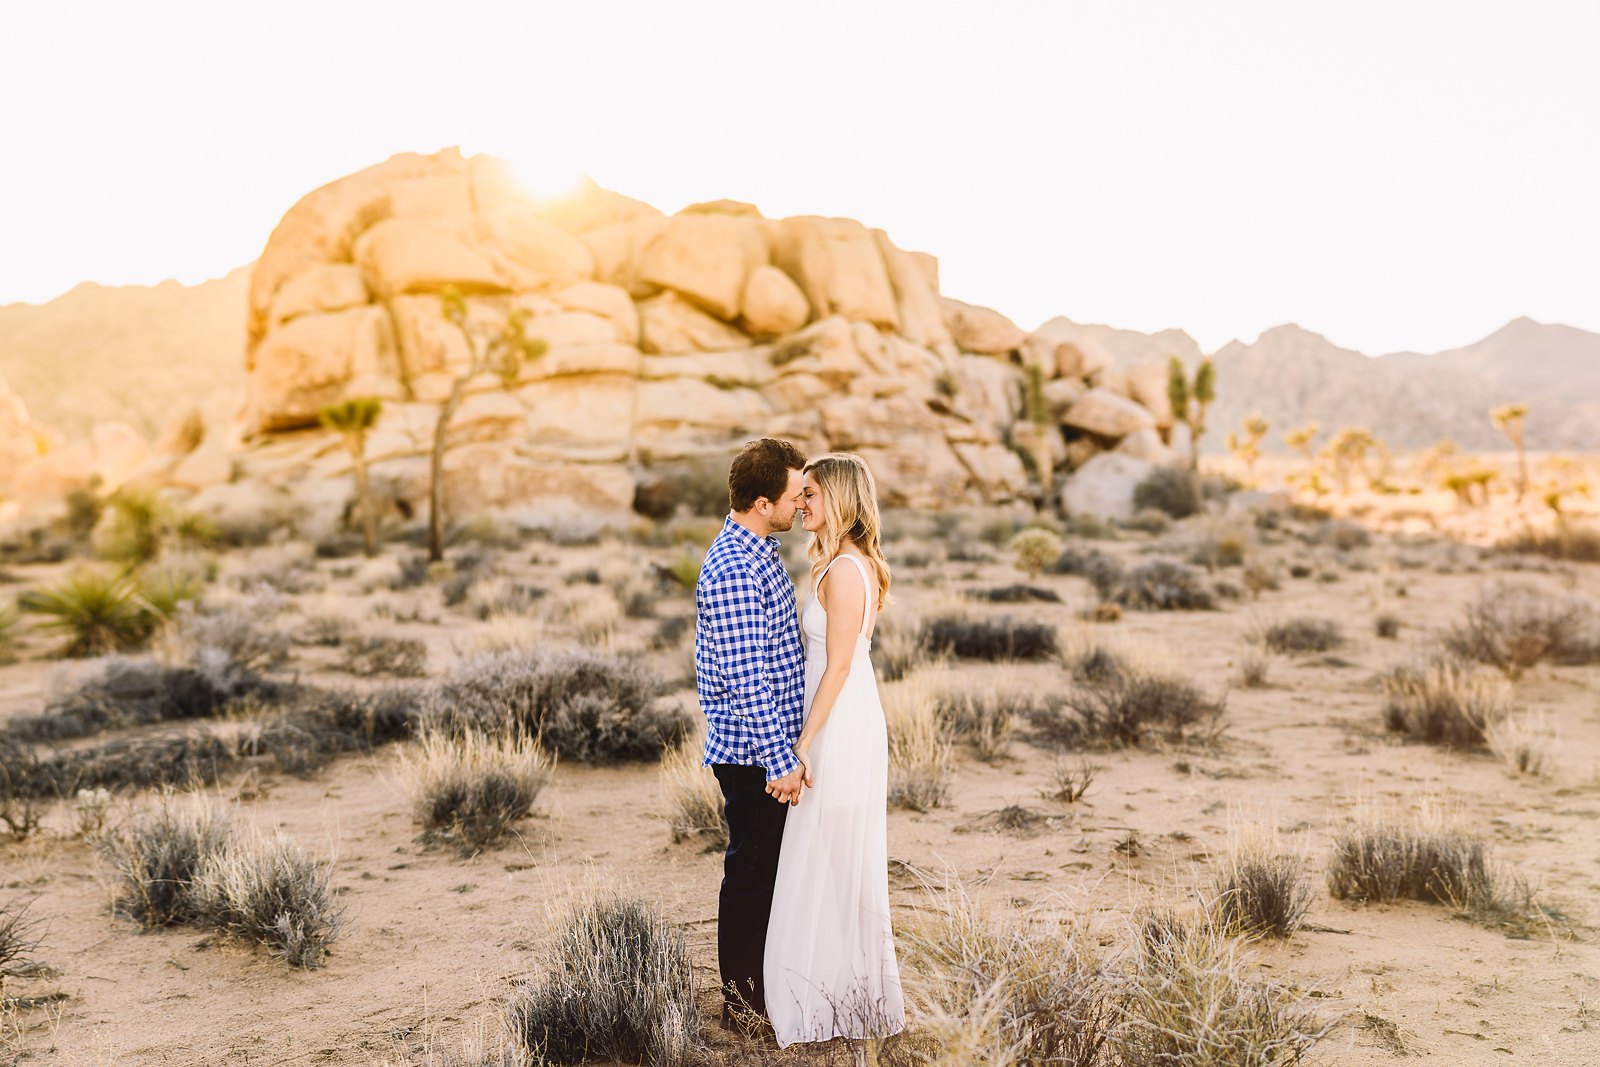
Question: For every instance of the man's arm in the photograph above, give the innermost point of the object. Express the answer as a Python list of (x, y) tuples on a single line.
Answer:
[(736, 617)]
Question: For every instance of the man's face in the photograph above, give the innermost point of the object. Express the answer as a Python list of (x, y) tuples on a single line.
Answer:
[(782, 514)]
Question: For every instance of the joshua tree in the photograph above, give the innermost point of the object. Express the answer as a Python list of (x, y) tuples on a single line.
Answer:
[(1509, 420), (1190, 399), (500, 353), (1246, 446), (351, 420), (1347, 452), (1043, 427)]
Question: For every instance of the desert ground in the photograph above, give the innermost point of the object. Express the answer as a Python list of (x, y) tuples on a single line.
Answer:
[(435, 937)]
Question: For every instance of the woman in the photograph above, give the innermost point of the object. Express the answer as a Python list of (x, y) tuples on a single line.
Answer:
[(830, 964)]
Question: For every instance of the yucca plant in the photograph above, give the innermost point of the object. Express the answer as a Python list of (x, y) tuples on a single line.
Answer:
[(162, 589), (10, 620), (352, 420), (1190, 400), (99, 612)]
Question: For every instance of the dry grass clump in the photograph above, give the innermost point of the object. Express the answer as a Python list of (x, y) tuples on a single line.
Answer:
[(1387, 625), (156, 856), (1527, 744), (369, 654), (1260, 892), (19, 937), (1254, 667), (1004, 638), (631, 585), (584, 706), (1072, 781), (1515, 625), (264, 889), (1578, 544), (983, 712), (692, 797), (1442, 699), (288, 568), (1193, 1001), (1163, 585), (1125, 703), (620, 987), (471, 788), (1008, 994), (1300, 634), (1387, 860), (899, 644), (921, 757), (10, 627)]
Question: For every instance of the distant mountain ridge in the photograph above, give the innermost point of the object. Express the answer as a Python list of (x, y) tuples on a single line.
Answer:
[(141, 354), (145, 354)]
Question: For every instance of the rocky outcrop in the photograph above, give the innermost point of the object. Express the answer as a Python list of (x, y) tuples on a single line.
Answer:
[(667, 338)]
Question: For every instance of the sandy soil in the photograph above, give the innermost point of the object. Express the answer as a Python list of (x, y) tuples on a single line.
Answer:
[(434, 941)]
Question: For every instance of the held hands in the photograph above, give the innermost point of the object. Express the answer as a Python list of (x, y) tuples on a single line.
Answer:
[(786, 790)]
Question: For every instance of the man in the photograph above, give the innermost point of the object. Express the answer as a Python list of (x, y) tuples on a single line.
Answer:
[(750, 673)]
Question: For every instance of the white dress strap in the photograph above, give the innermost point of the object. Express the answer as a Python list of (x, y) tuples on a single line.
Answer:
[(866, 586)]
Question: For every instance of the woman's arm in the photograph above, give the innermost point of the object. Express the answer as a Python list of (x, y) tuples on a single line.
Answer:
[(845, 600)]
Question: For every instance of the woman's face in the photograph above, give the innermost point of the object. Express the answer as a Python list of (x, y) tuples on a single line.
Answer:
[(811, 501)]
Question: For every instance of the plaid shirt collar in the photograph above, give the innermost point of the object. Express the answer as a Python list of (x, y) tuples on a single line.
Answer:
[(759, 547)]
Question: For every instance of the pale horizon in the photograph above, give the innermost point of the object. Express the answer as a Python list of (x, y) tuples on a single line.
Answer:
[(1394, 179)]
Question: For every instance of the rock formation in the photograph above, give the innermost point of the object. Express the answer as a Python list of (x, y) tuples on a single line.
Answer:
[(669, 337)]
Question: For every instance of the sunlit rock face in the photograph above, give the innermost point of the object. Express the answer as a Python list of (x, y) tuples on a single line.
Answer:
[(669, 339)]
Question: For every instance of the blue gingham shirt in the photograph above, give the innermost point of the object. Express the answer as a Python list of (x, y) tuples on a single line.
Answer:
[(748, 665)]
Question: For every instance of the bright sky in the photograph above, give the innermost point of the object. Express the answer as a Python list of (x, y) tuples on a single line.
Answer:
[(1397, 174)]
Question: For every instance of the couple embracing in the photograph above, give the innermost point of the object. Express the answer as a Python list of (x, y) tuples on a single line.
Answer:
[(797, 740)]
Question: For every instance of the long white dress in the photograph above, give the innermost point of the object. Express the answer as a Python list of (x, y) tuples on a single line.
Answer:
[(830, 962)]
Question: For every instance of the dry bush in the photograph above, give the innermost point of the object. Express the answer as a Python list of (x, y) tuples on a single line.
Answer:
[(1008, 994), (1004, 638), (584, 706), (1514, 626), (1128, 705), (591, 612), (137, 762), (1016, 594), (368, 654), (1300, 634), (1215, 550), (1034, 549), (264, 889), (691, 796), (1342, 534), (1163, 585), (1527, 744), (1072, 781), (1578, 544), (19, 938), (288, 568), (1171, 490), (1260, 892), (632, 586), (1193, 1001), (1253, 669), (157, 855), (471, 788), (1260, 577), (504, 633), (1388, 860), (900, 645), (321, 724), (485, 597), (1387, 625), (983, 712), (230, 644), (620, 986), (10, 627), (1099, 569), (1438, 698), (921, 757)]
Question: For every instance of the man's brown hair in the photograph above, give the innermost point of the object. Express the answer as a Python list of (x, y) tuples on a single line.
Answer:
[(761, 469)]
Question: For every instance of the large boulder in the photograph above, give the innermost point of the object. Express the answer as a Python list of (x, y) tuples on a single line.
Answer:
[(1101, 412), (772, 304), (1064, 350), (1103, 487), (840, 268), (981, 329), (705, 259)]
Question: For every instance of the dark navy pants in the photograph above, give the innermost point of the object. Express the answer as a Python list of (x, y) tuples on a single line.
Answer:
[(755, 833)]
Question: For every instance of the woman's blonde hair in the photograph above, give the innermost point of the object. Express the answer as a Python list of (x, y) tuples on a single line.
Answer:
[(850, 516)]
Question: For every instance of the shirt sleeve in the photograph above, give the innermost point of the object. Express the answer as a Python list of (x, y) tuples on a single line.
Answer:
[(736, 618)]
